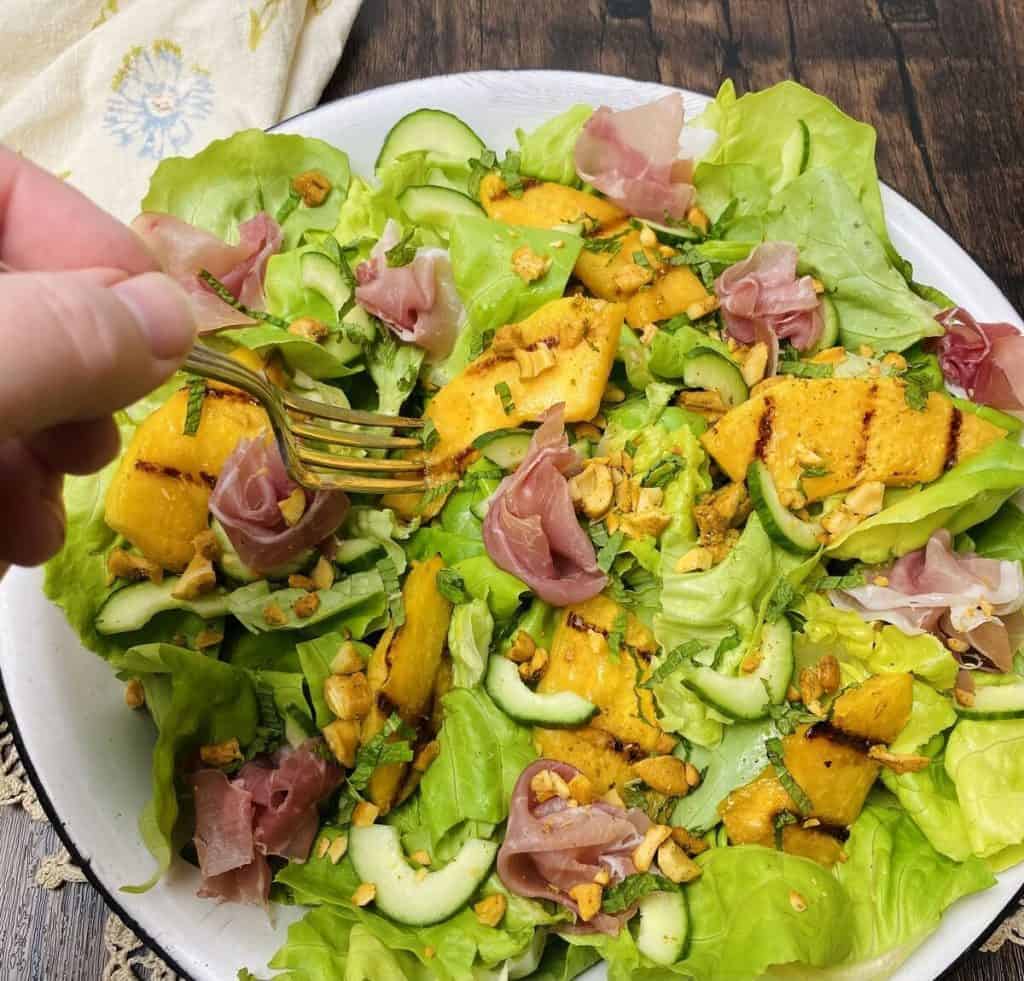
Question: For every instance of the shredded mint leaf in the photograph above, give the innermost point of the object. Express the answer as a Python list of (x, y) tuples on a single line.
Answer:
[(663, 472), (805, 155), (452, 586), (402, 252), (611, 548), (509, 168), (194, 409), (617, 635), (787, 717), (640, 258), (673, 661), (632, 889), (717, 229), (815, 472), (775, 757), (915, 394), (218, 288), (432, 494), (782, 820), (302, 720), (428, 435), (289, 204), (805, 369), (728, 643), (609, 244), (270, 728), (505, 394), (393, 588), (850, 581), (633, 795), (479, 168), (375, 752), (784, 596)]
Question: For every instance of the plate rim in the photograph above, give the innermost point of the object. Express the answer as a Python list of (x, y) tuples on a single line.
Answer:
[(59, 825)]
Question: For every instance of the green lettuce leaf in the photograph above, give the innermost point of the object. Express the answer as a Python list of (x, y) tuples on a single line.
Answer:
[(821, 216), (469, 640), (1002, 536), (681, 711), (965, 496), (485, 581), (328, 360), (482, 754), (985, 761), (481, 254), (195, 701), (897, 885), (233, 179), (316, 656), (547, 153), (670, 348)]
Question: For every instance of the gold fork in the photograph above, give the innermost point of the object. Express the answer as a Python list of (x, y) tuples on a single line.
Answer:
[(314, 468)]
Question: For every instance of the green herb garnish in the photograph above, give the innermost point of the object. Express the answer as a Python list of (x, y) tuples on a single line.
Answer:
[(402, 252), (663, 472), (610, 244), (784, 596), (389, 573), (815, 472), (289, 204), (481, 343), (432, 494), (617, 635), (640, 258), (229, 298), (194, 409), (787, 717), (509, 169), (805, 369), (428, 435), (505, 394), (775, 757), (673, 661), (632, 889), (850, 581), (610, 550), (479, 168), (452, 586), (805, 152)]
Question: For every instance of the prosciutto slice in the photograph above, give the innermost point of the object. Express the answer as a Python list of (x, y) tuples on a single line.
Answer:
[(417, 301), (183, 250), (270, 808), (531, 528), (936, 590), (986, 360), (632, 156), (550, 847), (763, 299), (245, 501)]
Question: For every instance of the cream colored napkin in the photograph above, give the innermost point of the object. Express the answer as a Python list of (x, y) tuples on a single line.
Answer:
[(99, 91)]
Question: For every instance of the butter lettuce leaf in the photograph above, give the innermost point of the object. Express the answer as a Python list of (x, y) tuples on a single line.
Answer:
[(469, 641), (547, 152), (965, 496), (231, 180), (1002, 536)]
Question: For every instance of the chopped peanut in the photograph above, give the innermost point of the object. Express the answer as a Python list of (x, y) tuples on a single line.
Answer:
[(342, 737), (689, 843), (507, 340), (546, 784), (581, 790), (613, 394), (899, 762), (312, 186), (365, 814), (274, 616), (957, 645), (199, 577), (522, 649), (534, 362), (755, 364), (221, 754), (701, 308), (421, 857), (134, 694), (322, 845), (534, 668), (692, 775), (206, 545), (593, 490), (426, 755), (337, 849), (811, 690), (676, 864), (348, 695), (490, 910), (751, 662), (296, 581), (828, 673), (797, 901), (698, 559), (647, 334), (587, 896), (641, 524), (643, 854), (866, 499), (838, 522), (347, 660), (528, 265), (586, 431), (323, 573), (811, 823), (665, 774), (306, 606), (309, 329), (125, 565), (630, 278), (293, 507), (208, 638), (365, 894), (696, 217)]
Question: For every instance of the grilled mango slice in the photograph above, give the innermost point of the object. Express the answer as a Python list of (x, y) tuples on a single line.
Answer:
[(159, 496), (877, 710), (625, 728), (652, 291), (403, 670), (862, 429)]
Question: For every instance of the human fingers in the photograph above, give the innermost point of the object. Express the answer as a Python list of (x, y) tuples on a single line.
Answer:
[(76, 447), (30, 501)]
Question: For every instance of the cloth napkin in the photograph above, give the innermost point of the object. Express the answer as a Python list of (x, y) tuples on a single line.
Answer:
[(99, 91)]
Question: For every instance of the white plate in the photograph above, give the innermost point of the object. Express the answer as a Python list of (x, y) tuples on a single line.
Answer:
[(89, 756)]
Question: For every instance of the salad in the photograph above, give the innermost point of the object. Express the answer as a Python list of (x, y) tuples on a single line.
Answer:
[(700, 653)]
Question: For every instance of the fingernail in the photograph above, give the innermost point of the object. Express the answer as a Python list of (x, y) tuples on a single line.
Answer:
[(162, 312)]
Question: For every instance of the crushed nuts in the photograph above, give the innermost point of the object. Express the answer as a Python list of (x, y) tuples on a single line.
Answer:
[(198, 578), (221, 754), (305, 606), (581, 790), (134, 694), (309, 329), (323, 573), (866, 499), (689, 843), (797, 901), (755, 364), (426, 755), (701, 308), (421, 857), (593, 490), (531, 670), (365, 894), (206, 545), (534, 362), (528, 265), (337, 848), (546, 784), (490, 910), (295, 581), (348, 695), (522, 649), (698, 559), (293, 507), (274, 616), (676, 864), (643, 854), (365, 814), (347, 660), (899, 762), (312, 186), (208, 637), (342, 738), (125, 565)]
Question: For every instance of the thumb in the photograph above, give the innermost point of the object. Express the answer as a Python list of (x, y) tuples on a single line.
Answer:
[(73, 348)]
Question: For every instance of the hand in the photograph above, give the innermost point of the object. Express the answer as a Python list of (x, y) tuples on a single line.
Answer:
[(87, 325)]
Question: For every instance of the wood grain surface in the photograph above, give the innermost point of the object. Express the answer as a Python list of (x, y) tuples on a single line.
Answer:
[(941, 80)]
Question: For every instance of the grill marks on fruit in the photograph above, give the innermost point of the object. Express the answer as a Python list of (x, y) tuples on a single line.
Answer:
[(825, 730), (764, 429), (575, 622), (953, 438), (865, 428), (231, 395), (173, 473)]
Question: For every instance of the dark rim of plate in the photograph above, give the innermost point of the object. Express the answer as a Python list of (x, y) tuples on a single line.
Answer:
[(61, 828)]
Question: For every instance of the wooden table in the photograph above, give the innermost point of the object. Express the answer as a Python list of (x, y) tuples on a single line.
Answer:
[(941, 80)]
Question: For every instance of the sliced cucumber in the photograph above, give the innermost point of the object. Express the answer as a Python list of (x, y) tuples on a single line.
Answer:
[(437, 207), (132, 607), (664, 925), (441, 134), (705, 368), (564, 708), (506, 448), (830, 328), (995, 702), (748, 696), (320, 273), (672, 235), (781, 524), (234, 568), (403, 894), (362, 552)]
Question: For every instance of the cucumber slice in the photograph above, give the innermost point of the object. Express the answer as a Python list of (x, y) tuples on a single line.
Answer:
[(506, 448), (417, 901), (358, 551), (748, 696), (319, 273), (673, 236), (564, 708), (132, 607), (704, 368), (234, 568), (830, 329), (995, 702), (437, 207), (664, 925), (781, 524), (441, 134)]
